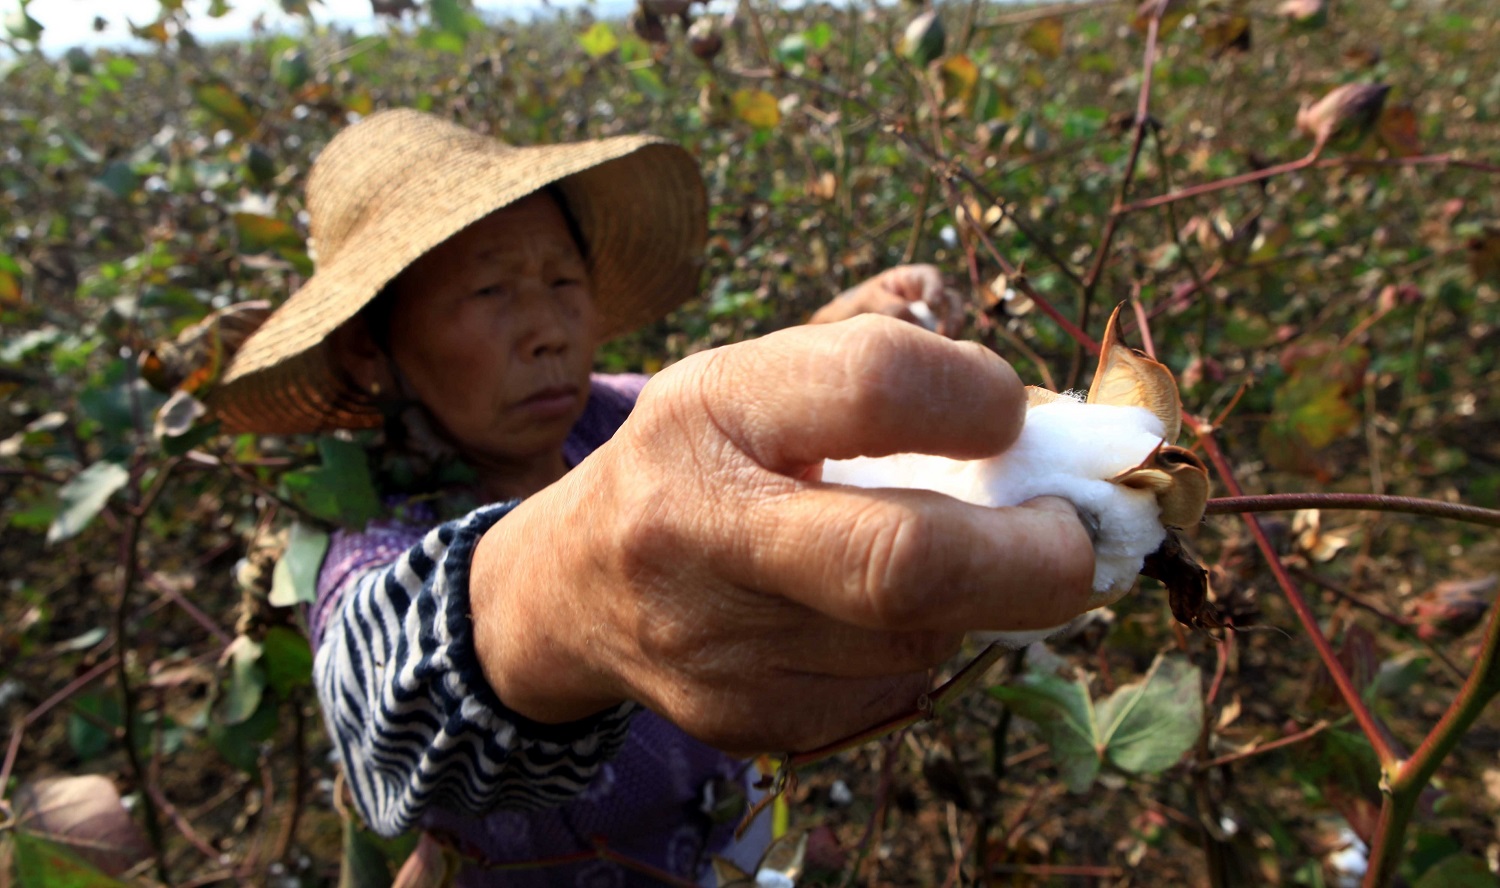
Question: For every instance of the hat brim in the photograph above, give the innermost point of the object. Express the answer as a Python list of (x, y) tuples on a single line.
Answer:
[(641, 208)]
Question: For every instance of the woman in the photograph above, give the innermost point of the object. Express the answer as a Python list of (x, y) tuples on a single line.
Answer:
[(562, 666)]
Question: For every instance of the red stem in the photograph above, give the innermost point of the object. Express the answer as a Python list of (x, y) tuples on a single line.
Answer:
[(1112, 224), (1218, 185), (43, 708), (1385, 747), (1288, 740), (1367, 502), (1017, 280), (1310, 160)]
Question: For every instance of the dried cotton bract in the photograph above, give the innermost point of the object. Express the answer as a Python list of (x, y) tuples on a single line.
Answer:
[(1111, 456)]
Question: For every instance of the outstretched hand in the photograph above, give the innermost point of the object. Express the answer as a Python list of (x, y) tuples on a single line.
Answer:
[(697, 564), (911, 293)]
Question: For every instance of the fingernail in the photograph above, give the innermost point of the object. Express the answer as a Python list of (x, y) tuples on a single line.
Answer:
[(1090, 524), (1059, 504)]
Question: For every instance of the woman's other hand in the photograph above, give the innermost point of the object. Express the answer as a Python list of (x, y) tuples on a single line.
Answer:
[(697, 565), (912, 293)]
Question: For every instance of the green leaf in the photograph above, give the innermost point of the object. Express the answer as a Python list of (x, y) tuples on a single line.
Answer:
[(121, 67), (295, 579), (88, 739), (287, 660), (21, 26), (1323, 415), (1396, 676), (119, 178), (364, 861), (225, 104), (757, 108), (1061, 710), (792, 50), (260, 234), (83, 497), (599, 40), (247, 680), (10, 281), (261, 166), (79, 61), (450, 17), (40, 862), (1045, 37), (291, 68), (340, 490), (1458, 871), (649, 82), (818, 36), (239, 745), (1148, 725), (442, 41)]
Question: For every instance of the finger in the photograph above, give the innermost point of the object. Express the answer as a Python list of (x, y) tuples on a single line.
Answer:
[(913, 560), (924, 282), (869, 386)]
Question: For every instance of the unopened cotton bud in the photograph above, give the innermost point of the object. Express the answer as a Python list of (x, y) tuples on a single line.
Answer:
[(704, 40), (1345, 116)]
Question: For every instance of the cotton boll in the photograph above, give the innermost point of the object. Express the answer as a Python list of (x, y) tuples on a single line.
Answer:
[(1066, 448)]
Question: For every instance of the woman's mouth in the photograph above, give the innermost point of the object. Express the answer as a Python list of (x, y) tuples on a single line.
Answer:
[(550, 403)]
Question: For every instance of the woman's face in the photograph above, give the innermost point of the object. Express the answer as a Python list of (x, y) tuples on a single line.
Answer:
[(495, 332)]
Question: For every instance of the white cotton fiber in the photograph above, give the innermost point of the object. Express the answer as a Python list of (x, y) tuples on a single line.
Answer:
[(1066, 448)]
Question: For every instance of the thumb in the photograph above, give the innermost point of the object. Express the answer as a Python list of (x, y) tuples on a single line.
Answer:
[(869, 386)]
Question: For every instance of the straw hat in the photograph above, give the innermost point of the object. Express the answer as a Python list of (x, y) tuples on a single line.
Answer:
[(394, 186)]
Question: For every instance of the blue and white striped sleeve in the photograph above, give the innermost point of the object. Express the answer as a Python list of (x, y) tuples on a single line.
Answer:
[(414, 721)]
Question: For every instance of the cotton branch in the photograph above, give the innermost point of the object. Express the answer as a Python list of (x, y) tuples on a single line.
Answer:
[(1363, 502), (1386, 748)]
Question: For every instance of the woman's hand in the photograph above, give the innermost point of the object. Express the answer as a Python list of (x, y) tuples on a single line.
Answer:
[(696, 564), (895, 293)]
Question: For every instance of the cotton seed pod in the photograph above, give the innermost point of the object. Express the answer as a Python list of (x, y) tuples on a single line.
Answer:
[(393, 8), (1112, 456), (666, 7), (1345, 116), (648, 26), (704, 40), (924, 39), (1452, 608)]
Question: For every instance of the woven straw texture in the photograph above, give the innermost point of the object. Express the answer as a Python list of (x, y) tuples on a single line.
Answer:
[(394, 186)]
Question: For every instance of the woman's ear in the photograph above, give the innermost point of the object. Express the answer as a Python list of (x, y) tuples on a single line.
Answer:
[(355, 352)]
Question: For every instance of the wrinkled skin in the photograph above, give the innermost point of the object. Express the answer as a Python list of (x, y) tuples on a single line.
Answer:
[(696, 564)]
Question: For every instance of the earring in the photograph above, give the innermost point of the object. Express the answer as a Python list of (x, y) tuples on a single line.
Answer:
[(375, 389)]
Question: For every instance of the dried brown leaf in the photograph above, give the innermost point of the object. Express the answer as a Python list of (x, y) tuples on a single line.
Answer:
[(84, 815)]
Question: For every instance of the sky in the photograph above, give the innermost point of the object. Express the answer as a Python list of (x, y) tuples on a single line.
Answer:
[(69, 23)]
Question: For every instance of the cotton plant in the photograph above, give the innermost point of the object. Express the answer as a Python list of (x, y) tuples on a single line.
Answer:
[(1111, 454)]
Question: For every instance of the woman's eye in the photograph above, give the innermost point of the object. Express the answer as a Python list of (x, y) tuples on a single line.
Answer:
[(491, 290)]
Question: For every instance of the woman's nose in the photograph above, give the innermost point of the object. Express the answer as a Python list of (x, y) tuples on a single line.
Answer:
[(543, 321)]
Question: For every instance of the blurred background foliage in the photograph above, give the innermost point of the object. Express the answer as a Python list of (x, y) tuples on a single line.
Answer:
[(1336, 324)]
